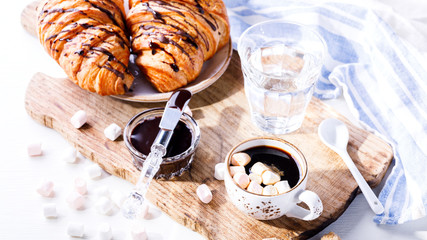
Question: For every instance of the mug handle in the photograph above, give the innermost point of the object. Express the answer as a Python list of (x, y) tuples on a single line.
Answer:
[(313, 202)]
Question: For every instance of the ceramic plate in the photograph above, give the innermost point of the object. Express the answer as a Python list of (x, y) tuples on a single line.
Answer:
[(142, 91)]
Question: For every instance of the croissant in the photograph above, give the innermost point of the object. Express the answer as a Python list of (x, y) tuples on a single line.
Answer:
[(87, 39), (173, 38)]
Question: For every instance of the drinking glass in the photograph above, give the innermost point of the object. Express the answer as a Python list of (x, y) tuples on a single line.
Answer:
[(281, 63)]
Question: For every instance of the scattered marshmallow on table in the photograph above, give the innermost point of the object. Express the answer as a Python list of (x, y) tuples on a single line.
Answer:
[(282, 186), (105, 232), (113, 131), (240, 159), (75, 200), (94, 171), (242, 179), (236, 169), (104, 205), (49, 210), (70, 155), (34, 149), (118, 198), (139, 233), (102, 191), (219, 171), (255, 188), (45, 188), (80, 185), (204, 193), (79, 119), (75, 229), (269, 190), (143, 211)]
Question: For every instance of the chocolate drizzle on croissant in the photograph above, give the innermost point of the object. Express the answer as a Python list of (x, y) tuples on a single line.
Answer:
[(88, 40), (172, 39)]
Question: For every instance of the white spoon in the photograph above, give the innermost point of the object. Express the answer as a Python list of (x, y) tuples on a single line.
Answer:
[(334, 134)]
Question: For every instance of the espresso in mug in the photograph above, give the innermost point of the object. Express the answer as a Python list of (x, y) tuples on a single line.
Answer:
[(277, 160), (266, 179)]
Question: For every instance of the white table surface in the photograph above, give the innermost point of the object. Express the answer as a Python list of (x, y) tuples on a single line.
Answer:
[(21, 214)]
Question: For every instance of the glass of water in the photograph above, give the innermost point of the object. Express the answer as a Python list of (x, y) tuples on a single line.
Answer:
[(281, 63)]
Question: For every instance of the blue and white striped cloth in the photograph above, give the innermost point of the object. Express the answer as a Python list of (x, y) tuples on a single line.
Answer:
[(383, 80)]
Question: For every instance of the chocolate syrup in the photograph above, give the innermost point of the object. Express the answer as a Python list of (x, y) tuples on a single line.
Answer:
[(110, 9), (143, 135), (275, 158), (179, 99)]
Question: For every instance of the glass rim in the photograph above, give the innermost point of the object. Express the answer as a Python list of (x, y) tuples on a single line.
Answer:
[(244, 60), (166, 160)]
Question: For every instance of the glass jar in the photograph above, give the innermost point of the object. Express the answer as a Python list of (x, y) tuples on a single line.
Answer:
[(173, 165)]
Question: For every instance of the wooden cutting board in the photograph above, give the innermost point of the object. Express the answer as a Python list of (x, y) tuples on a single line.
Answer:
[(222, 113)]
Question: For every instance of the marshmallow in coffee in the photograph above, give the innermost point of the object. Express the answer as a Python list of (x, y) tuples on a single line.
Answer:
[(254, 187), (236, 169), (269, 190), (270, 177), (262, 179), (240, 159), (255, 178)]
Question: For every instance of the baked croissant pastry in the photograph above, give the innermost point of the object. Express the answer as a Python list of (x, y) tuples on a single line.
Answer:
[(173, 38), (87, 38)]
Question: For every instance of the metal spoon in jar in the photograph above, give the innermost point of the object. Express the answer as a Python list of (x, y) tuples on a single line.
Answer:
[(334, 134)]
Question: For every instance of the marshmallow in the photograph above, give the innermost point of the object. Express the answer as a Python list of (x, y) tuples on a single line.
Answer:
[(204, 193), (79, 119), (236, 169), (282, 186), (219, 171), (118, 198), (70, 155), (49, 210), (269, 190), (270, 178), (75, 229), (104, 205), (75, 200), (94, 171), (255, 178), (187, 110), (80, 185), (139, 233), (143, 211), (45, 188), (254, 188), (240, 159), (105, 232), (102, 191), (34, 149), (242, 179), (259, 168), (112, 132)]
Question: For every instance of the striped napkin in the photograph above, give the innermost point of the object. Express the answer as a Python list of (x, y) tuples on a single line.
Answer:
[(383, 79)]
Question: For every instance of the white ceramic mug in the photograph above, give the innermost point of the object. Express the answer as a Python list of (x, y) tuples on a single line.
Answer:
[(271, 207)]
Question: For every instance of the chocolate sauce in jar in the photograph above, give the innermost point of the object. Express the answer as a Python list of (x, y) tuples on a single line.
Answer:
[(277, 159), (143, 135)]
